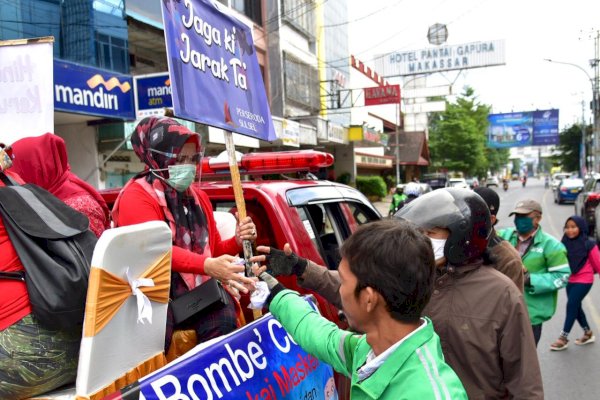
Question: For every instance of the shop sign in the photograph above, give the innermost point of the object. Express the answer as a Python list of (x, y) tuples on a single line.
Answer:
[(335, 133), (377, 95), (86, 90), (152, 94), (290, 133)]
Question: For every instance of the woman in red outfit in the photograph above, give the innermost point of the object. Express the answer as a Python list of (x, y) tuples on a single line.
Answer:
[(42, 160), (33, 359), (163, 192)]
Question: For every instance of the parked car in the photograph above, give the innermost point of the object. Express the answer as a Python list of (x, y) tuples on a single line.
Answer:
[(435, 180), (586, 202), (492, 181), (567, 190), (557, 177), (457, 183)]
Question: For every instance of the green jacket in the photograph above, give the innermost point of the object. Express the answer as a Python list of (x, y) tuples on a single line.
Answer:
[(396, 200), (546, 261), (415, 370)]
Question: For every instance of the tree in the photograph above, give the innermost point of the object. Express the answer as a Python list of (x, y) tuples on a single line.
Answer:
[(457, 140), (569, 148)]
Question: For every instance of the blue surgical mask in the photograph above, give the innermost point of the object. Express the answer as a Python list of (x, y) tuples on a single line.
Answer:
[(181, 176), (523, 224)]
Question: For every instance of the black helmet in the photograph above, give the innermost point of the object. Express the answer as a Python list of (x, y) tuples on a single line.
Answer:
[(463, 212)]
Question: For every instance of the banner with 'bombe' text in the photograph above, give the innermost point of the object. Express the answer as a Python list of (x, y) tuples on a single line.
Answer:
[(215, 75), (257, 362)]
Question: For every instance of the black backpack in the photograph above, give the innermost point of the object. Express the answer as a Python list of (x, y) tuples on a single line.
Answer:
[(55, 246)]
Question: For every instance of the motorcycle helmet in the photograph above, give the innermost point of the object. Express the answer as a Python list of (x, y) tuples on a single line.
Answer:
[(463, 212), (412, 189)]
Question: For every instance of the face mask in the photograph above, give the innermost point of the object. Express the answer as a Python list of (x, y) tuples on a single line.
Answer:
[(524, 224), (181, 176), (438, 247)]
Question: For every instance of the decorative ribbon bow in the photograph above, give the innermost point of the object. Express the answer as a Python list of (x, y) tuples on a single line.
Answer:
[(107, 293)]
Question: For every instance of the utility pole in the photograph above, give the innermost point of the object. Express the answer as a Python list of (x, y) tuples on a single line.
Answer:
[(596, 103)]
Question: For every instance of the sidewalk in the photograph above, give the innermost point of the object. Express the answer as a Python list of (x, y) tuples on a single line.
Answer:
[(383, 206)]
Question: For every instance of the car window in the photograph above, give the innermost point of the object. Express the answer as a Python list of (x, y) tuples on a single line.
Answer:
[(597, 187), (329, 224)]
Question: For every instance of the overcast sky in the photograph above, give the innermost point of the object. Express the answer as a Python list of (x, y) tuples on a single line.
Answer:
[(532, 30)]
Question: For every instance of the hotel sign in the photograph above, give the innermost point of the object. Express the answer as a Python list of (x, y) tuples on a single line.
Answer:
[(441, 58)]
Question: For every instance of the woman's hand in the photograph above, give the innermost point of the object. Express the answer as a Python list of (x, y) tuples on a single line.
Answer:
[(223, 269), (245, 230)]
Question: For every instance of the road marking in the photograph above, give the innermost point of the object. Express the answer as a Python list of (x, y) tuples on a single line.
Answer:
[(549, 215)]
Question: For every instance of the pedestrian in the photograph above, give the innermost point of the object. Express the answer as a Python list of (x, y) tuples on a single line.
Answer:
[(42, 160), (545, 261), (478, 312), (387, 273), (500, 253), (34, 359), (397, 198), (164, 192), (584, 261)]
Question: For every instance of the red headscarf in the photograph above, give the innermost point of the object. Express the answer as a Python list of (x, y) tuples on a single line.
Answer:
[(42, 160)]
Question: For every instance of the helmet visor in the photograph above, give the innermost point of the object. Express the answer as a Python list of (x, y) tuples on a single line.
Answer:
[(434, 209)]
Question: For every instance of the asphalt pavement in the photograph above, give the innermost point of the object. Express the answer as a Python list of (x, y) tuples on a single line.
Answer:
[(572, 373)]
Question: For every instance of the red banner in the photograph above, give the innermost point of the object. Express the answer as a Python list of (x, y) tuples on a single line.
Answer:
[(389, 94)]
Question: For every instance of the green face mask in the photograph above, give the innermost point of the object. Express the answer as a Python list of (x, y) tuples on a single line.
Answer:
[(181, 176), (523, 224)]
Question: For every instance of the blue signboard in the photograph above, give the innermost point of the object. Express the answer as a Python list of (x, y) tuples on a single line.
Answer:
[(152, 95), (531, 128), (510, 130), (545, 127), (258, 361), (214, 71), (86, 90)]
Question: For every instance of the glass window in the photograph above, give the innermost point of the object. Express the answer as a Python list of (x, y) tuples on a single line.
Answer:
[(301, 82), (111, 53), (300, 13)]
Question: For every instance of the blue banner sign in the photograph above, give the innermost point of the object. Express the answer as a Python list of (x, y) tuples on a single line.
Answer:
[(86, 90), (152, 95), (531, 128), (545, 127), (257, 362), (214, 71)]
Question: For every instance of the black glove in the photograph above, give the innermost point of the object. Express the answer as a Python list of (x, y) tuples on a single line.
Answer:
[(278, 263), (526, 279)]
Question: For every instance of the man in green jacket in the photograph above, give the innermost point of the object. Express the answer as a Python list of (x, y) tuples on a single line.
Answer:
[(386, 272), (545, 260)]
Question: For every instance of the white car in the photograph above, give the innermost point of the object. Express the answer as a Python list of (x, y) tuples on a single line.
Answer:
[(457, 183), (492, 181), (557, 177)]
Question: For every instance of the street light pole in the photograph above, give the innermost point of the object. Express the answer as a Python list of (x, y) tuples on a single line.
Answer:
[(594, 85)]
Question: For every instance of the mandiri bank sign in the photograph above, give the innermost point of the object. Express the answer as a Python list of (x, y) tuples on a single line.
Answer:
[(377, 95), (441, 58)]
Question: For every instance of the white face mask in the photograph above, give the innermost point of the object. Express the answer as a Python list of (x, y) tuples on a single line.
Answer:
[(438, 247)]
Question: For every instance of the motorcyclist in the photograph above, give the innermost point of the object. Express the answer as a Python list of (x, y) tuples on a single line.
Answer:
[(397, 198), (524, 180), (505, 184), (412, 190)]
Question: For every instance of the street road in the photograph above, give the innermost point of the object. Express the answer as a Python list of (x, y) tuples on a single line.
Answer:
[(572, 373)]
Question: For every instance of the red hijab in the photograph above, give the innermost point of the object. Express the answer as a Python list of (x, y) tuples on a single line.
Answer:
[(42, 160)]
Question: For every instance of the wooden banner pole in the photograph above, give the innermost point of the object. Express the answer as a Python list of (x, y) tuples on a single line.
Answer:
[(240, 204)]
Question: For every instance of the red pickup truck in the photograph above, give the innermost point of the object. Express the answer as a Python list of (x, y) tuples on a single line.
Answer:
[(313, 216)]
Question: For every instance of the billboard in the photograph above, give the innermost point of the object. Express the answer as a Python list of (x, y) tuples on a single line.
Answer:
[(441, 58), (529, 128)]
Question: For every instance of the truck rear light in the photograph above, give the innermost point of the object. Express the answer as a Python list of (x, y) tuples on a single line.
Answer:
[(270, 163)]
